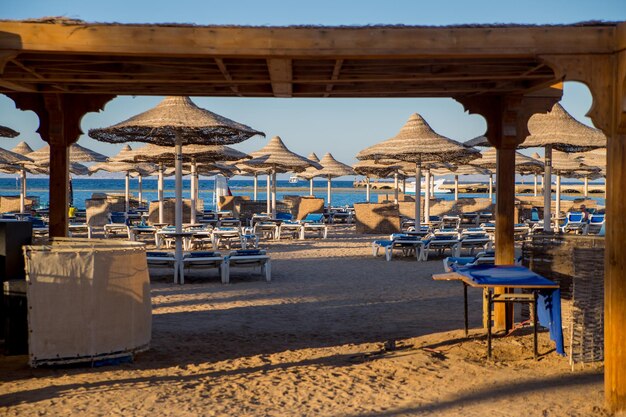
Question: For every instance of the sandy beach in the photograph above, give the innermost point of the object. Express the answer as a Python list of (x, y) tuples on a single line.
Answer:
[(316, 341)]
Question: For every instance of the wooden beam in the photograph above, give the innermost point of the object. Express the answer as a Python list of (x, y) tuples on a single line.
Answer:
[(227, 76), (335, 77), (280, 71), (287, 42), (19, 87)]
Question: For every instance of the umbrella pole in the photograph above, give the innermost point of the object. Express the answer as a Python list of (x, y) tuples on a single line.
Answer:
[(418, 194), (547, 190), (311, 187), (395, 187), (329, 188), (178, 212), (557, 211), (367, 189), (22, 190), (127, 192), (491, 187), (535, 185), (432, 185), (273, 193), (268, 197), (403, 185), (160, 194), (456, 187), (585, 185), (256, 186), (140, 190), (193, 188), (427, 198)]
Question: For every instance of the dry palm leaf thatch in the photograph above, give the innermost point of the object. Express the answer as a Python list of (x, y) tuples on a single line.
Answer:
[(310, 172), (480, 141), (331, 168), (199, 153), (22, 148), (277, 157), (372, 168), (176, 117), (563, 164), (43, 167), (417, 142), (561, 131), (593, 158), (77, 154), (523, 163), (10, 157), (140, 168), (461, 170), (7, 132)]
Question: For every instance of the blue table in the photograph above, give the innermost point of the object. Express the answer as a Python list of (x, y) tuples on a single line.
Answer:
[(544, 295)]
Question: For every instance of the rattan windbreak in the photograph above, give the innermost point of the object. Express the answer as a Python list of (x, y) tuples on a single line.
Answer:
[(176, 116), (77, 154), (561, 131), (7, 132), (417, 142)]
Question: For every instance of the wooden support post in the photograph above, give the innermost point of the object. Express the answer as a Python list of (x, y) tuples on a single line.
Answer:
[(59, 125)]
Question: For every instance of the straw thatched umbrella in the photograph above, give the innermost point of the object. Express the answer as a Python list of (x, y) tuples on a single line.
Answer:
[(13, 162), (139, 169), (417, 142), (478, 141), (255, 172), (594, 158), (7, 132), (310, 172), (373, 169), (565, 165), (559, 130), (193, 154), (523, 163), (460, 170), (331, 168), (23, 149), (174, 122), (277, 158)]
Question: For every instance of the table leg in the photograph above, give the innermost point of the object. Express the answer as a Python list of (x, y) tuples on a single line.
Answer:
[(536, 353), (488, 324), (465, 308)]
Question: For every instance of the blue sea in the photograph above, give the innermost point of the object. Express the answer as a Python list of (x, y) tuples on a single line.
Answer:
[(343, 192)]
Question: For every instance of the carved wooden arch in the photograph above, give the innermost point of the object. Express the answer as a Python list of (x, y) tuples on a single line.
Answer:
[(605, 77)]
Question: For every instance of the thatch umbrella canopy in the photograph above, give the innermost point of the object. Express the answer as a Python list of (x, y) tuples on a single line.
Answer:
[(14, 162), (77, 154), (565, 165), (7, 132), (559, 130), (310, 172), (10, 157), (373, 169), (594, 158), (277, 158), (331, 168), (176, 117), (43, 168), (141, 169), (22, 149), (460, 170), (417, 142), (176, 121), (478, 141)]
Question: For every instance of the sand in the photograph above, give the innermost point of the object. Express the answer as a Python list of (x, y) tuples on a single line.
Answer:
[(316, 341)]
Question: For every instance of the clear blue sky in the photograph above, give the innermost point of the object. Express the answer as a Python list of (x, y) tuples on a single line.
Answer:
[(339, 126)]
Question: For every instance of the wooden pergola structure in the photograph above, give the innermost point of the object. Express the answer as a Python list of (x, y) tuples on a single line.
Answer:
[(63, 69)]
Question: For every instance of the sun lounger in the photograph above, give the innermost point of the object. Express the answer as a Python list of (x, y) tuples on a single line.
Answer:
[(118, 224), (160, 260), (248, 259), (204, 260), (450, 222), (440, 241), (574, 221), (226, 236), (290, 228), (451, 263), (266, 229), (472, 239), (314, 222), (79, 228), (595, 225), (407, 244), (136, 231)]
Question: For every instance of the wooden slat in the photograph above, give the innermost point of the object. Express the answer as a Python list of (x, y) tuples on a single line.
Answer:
[(281, 76)]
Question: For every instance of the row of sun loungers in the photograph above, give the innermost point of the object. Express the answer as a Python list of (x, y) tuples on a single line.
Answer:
[(214, 260)]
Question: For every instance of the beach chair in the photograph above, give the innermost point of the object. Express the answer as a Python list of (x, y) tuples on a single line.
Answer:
[(473, 238), (290, 228), (534, 217), (118, 224), (229, 222), (248, 259), (203, 260), (434, 221), (227, 236), (283, 216), (596, 223), (440, 241), (450, 222), (314, 222), (265, 229), (76, 227), (160, 260), (142, 229), (407, 244), (451, 263), (574, 221)]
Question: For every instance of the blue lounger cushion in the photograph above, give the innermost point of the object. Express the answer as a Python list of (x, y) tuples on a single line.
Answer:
[(159, 254), (201, 254), (247, 252)]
